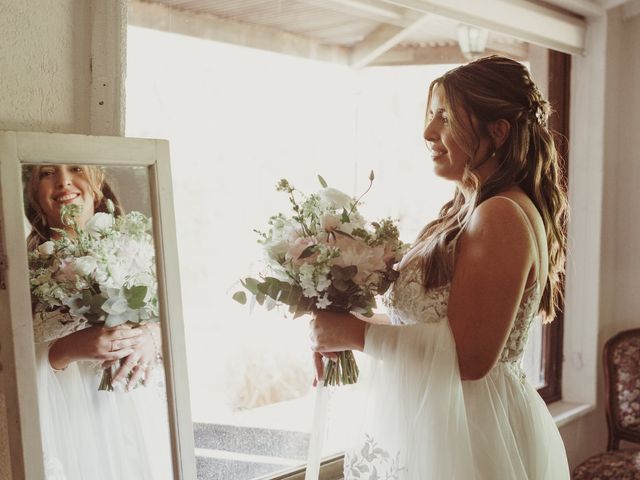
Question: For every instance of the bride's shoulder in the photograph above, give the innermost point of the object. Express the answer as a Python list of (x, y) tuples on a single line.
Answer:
[(496, 226)]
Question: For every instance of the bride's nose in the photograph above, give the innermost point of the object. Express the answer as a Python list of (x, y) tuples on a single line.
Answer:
[(64, 178), (430, 133)]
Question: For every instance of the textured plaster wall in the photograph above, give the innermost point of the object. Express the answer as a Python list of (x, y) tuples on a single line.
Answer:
[(45, 78), (45, 65), (620, 269)]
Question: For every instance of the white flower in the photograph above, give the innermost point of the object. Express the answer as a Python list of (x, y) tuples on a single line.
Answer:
[(85, 265), (335, 198), (306, 280), (323, 302), (47, 248), (99, 223), (275, 249)]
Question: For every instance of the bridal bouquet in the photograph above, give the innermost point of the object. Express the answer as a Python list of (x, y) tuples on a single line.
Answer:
[(325, 255), (105, 274)]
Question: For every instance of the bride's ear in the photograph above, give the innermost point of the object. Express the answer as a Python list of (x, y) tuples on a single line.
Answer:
[(499, 131)]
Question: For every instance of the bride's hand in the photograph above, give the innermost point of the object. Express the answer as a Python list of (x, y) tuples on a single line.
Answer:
[(336, 332), (319, 362), (141, 361), (93, 343)]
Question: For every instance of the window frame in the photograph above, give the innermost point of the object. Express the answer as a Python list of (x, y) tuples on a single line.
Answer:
[(559, 84)]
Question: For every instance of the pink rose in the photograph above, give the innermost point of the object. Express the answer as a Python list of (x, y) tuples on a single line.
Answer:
[(355, 252), (295, 249)]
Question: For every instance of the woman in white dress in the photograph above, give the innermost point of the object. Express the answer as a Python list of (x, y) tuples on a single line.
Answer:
[(449, 398), (86, 433)]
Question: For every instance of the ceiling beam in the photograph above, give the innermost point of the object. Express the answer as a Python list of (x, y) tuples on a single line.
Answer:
[(586, 8), (366, 9), (448, 54), (608, 4), (630, 9), (212, 27), (381, 40), (518, 18)]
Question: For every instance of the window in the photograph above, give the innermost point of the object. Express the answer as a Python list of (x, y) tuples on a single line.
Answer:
[(238, 120)]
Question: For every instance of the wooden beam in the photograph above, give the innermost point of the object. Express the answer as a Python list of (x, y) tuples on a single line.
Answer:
[(609, 4), (108, 64), (379, 41), (585, 8), (518, 18), (449, 54), (366, 9), (630, 10), (211, 27)]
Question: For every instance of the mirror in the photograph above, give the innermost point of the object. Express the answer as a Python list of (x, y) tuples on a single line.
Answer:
[(97, 266), (98, 340)]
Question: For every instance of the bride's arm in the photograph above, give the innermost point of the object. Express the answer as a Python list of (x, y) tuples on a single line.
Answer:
[(494, 257)]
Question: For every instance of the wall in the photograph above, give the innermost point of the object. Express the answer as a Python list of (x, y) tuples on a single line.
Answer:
[(619, 304), (48, 84)]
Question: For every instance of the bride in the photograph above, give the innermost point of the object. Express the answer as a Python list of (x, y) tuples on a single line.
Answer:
[(449, 398), (86, 433)]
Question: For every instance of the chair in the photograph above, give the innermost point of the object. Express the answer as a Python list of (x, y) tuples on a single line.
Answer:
[(621, 357)]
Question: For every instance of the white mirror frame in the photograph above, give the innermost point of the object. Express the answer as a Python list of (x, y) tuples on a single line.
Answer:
[(17, 351)]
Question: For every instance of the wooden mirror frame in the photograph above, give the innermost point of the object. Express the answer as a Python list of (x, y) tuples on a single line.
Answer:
[(17, 353)]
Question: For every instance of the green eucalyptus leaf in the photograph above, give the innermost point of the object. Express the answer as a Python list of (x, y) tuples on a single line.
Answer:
[(250, 284), (341, 285), (344, 273), (135, 296), (307, 252), (322, 181), (240, 297)]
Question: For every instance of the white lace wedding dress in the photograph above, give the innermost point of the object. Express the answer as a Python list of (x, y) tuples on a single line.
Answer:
[(421, 422), (95, 435)]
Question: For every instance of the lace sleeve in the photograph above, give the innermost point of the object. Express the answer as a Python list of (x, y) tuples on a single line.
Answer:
[(51, 325)]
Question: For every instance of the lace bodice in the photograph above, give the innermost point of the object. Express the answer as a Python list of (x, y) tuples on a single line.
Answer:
[(407, 303)]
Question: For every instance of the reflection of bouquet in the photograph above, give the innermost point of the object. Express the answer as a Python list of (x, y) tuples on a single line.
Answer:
[(326, 256), (104, 274)]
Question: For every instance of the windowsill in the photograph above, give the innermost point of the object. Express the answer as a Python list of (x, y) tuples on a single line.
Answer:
[(566, 412)]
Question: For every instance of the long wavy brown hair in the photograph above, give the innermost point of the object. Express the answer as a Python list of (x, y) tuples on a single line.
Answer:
[(487, 90), (40, 230)]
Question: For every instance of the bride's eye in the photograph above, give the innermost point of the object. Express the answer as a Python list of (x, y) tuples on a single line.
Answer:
[(45, 172)]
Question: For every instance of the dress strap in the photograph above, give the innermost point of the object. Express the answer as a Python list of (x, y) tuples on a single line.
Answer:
[(531, 231)]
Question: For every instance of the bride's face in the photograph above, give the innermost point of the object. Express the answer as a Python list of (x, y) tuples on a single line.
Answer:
[(59, 185), (449, 159)]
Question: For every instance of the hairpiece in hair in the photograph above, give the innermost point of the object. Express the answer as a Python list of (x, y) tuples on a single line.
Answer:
[(537, 114)]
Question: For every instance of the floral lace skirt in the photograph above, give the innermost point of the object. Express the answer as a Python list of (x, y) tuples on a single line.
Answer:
[(421, 422)]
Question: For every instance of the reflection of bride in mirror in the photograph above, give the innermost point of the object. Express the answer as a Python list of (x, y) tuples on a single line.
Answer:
[(86, 433)]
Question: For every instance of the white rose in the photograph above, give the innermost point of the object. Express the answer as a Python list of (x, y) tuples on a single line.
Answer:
[(46, 248), (275, 249), (98, 223), (85, 265), (335, 198)]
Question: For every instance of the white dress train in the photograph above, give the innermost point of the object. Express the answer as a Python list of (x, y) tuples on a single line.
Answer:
[(422, 422), (97, 435)]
